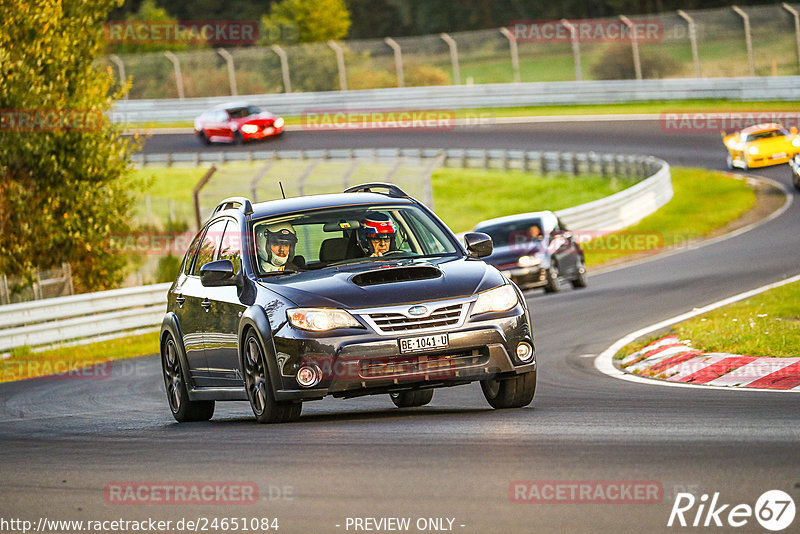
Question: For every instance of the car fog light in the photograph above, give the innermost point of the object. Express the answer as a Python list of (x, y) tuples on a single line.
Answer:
[(524, 352), (309, 376)]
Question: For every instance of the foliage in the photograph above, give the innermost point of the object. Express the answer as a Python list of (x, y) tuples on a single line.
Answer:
[(149, 11), (305, 21), (63, 188), (420, 75), (616, 63), (167, 269)]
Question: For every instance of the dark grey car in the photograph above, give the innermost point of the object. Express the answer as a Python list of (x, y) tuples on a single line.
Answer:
[(334, 320)]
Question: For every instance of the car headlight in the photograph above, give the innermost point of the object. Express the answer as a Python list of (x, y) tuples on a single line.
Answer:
[(499, 299), (278, 122), (796, 142), (320, 319), (529, 261), (753, 150), (249, 128)]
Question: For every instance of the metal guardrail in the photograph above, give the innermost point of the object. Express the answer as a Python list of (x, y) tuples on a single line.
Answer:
[(117, 312), (475, 96), (85, 316)]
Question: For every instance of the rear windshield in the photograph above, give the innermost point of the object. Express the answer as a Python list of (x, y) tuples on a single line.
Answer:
[(512, 233)]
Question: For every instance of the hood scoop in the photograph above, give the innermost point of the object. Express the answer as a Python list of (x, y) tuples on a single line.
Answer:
[(396, 274)]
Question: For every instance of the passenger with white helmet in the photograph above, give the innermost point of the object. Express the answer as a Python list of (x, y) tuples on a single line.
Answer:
[(276, 246)]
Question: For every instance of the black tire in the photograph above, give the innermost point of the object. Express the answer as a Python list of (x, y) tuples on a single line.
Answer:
[(580, 278), (552, 279), (259, 388), (514, 392), (183, 409), (408, 399), (237, 138), (203, 138), (729, 161)]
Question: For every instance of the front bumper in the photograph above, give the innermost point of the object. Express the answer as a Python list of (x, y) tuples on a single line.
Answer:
[(527, 277), (366, 364)]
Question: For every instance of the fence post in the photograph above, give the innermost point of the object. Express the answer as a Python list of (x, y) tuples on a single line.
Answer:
[(451, 43), (512, 45), (5, 294), (747, 39), (576, 47), (287, 83), (637, 63), (692, 40), (196, 194), (398, 60), (796, 18), (260, 176), (116, 60), (301, 181), (178, 77), (340, 62), (231, 70)]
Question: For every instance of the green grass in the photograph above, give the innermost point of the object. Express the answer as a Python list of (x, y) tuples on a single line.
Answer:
[(26, 364), (699, 105), (464, 197), (765, 325), (703, 201)]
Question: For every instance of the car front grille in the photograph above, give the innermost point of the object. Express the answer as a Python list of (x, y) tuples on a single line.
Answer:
[(397, 322)]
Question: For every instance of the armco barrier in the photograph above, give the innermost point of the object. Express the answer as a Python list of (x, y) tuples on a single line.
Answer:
[(475, 96), (85, 316), (118, 312)]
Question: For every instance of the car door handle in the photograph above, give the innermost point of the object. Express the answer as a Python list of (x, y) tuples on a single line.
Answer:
[(180, 299), (206, 304)]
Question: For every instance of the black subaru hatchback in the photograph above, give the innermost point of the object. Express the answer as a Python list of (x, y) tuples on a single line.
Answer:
[(360, 293)]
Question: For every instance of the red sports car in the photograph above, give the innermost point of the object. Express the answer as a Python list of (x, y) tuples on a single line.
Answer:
[(236, 123)]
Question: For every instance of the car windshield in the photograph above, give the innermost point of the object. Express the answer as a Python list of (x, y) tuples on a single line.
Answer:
[(515, 233), (347, 235), (766, 134), (242, 112)]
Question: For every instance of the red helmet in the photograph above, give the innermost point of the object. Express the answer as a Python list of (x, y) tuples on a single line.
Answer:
[(375, 225)]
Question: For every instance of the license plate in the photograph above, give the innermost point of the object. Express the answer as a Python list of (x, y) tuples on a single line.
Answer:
[(779, 155), (415, 344)]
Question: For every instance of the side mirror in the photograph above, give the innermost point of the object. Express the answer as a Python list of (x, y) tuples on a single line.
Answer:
[(479, 245), (218, 273)]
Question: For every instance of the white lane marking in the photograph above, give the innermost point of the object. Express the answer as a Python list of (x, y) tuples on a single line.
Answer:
[(605, 365)]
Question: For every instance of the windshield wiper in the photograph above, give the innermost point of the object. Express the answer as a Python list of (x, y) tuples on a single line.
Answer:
[(275, 273)]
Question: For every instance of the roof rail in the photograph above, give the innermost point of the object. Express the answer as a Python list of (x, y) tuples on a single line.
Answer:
[(242, 203), (392, 190)]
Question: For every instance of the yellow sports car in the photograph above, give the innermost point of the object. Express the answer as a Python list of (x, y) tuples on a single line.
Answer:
[(761, 145)]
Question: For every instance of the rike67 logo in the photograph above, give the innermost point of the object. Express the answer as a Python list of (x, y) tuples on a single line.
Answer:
[(774, 510)]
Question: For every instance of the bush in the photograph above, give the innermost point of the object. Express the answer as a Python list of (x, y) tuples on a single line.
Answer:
[(616, 63), (167, 269), (372, 79), (419, 75)]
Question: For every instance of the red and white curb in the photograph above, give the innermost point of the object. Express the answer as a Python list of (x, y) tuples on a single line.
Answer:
[(703, 370), (670, 359)]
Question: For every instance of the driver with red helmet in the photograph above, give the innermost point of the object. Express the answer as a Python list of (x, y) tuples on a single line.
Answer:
[(376, 234)]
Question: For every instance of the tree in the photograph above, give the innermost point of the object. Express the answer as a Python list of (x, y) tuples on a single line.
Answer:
[(306, 21), (65, 177), (149, 12)]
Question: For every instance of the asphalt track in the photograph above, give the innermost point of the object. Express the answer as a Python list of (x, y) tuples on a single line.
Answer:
[(62, 442)]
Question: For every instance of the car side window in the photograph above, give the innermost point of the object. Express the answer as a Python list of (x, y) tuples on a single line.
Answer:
[(209, 246), (231, 246), (190, 255)]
